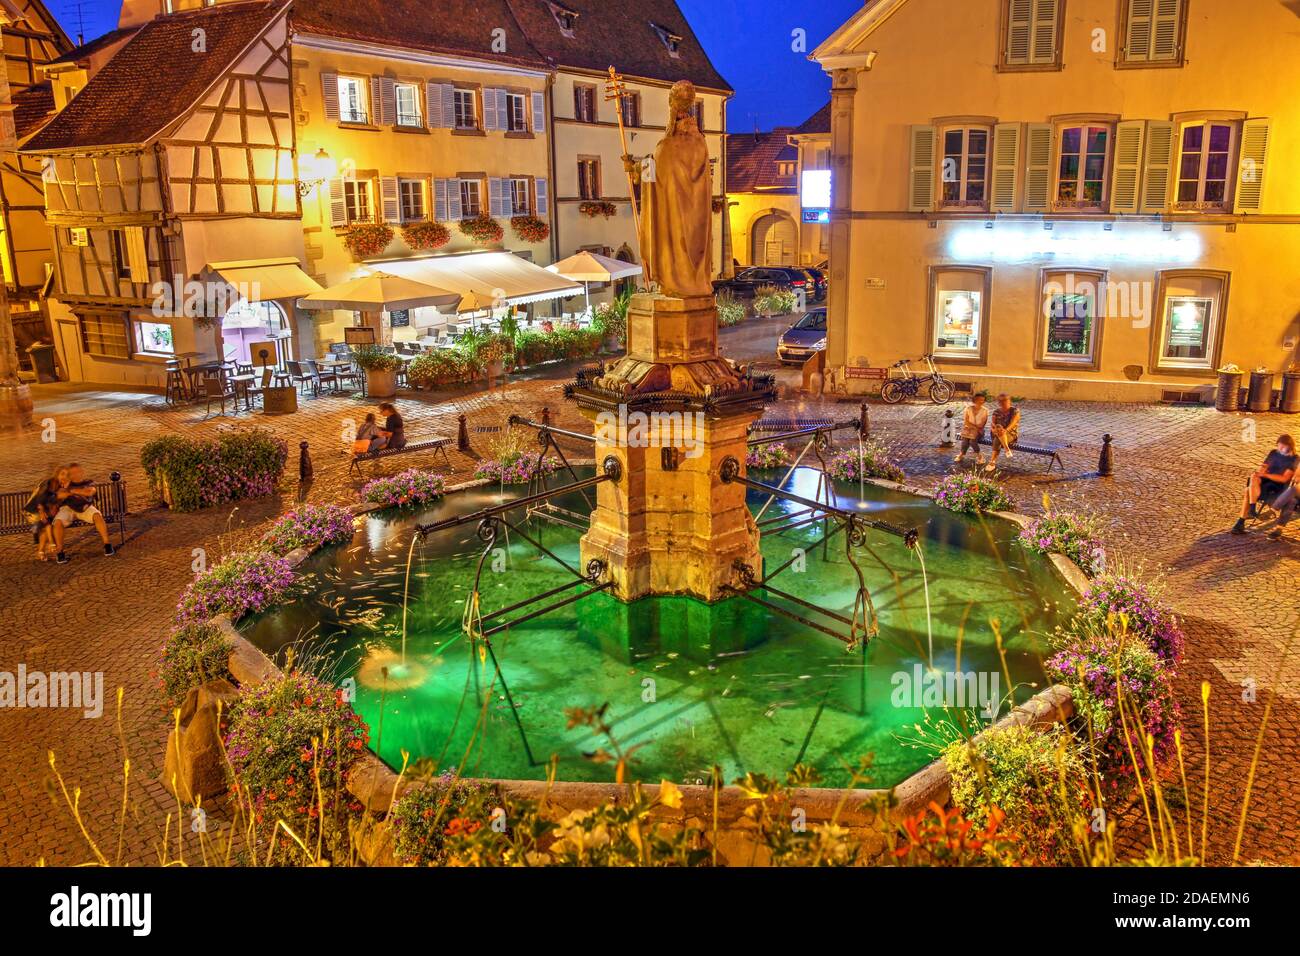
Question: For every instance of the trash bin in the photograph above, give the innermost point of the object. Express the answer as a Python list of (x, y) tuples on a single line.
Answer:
[(1228, 396), (43, 365), (1290, 401), (1260, 398)]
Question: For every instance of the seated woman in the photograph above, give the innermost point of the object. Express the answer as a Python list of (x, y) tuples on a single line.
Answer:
[(1269, 480), (392, 434)]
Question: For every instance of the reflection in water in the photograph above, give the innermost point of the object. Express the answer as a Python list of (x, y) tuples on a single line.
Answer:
[(690, 685)]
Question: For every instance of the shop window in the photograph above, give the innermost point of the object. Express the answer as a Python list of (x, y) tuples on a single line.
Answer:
[(959, 313), (1069, 325), (154, 338), (1189, 323), (104, 335)]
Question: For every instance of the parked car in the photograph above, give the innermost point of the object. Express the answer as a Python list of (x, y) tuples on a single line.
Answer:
[(803, 339), (818, 278), (745, 283)]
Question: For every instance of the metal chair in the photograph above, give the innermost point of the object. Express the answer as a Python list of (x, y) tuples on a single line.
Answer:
[(321, 378), (298, 377), (218, 388)]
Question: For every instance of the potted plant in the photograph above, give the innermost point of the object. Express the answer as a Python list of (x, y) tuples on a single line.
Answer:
[(426, 236), (381, 370), (492, 356), (611, 322), (530, 228), (483, 230)]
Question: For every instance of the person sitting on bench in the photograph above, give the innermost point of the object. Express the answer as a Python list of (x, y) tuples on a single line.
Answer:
[(1006, 429), (392, 434), (973, 422), (76, 500), (366, 434), (1269, 480), (41, 508), (1285, 504)]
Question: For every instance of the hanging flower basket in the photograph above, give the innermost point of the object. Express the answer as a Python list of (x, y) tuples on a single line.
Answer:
[(366, 239), (484, 230), (597, 208), (530, 228), (426, 235)]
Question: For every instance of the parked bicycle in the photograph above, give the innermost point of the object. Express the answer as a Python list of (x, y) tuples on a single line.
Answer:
[(908, 384)]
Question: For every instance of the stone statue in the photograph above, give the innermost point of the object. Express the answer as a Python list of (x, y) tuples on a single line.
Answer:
[(677, 204)]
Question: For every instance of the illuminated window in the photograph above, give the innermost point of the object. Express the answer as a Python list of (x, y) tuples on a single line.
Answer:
[(1191, 308), (958, 313), (154, 338), (959, 321), (407, 96), (356, 199), (353, 100), (466, 111), (516, 113), (1205, 164), (965, 166), (1189, 322), (1069, 328), (410, 193), (1081, 178), (471, 199), (519, 204)]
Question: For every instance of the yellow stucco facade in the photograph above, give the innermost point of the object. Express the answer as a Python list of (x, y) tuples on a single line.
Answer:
[(1090, 205)]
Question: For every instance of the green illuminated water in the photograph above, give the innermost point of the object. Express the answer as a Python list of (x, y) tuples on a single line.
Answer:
[(687, 684)]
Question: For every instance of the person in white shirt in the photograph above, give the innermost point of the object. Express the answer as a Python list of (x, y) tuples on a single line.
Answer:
[(973, 423)]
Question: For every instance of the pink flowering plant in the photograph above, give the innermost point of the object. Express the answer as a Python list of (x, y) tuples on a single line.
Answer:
[(970, 494), (1062, 532), (1121, 594), (407, 488), (427, 815), (245, 582), (775, 455), (874, 460), (516, 467), (1123, 699), (289, 744), (190, 474), (311, 527)]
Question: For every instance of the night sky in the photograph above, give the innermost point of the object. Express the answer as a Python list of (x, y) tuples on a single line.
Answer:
[(749, 42)]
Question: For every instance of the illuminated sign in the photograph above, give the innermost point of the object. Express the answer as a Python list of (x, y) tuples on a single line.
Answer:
[(1073, 243), (815, 195)]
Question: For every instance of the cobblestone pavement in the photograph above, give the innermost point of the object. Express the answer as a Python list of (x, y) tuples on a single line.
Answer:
[(1178, 474)]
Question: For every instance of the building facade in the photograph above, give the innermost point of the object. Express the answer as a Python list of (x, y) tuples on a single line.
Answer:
[(1064, 198)]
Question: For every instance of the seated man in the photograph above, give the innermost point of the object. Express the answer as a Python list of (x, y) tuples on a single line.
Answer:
[(1285, 503), (76, 500), (1006, 429), (1269, 480)]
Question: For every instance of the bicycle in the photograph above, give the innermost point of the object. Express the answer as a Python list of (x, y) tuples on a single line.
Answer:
[(908, 384)]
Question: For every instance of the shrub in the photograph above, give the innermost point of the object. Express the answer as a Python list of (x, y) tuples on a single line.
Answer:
[(289, 745), (483, 230), (874, 462), (373, 358), (1101, 665), (243, 582), (769, 300), (311, 527), (1062, 532), (1146, 615), (426, 815), (365, 239), (530, 228), (611, 319), (426, 236), (411, 487), (532, 348), (970, 494), (195, 653), (198, 473), (1037, 779), (775, 455), (439, 367), (731, 311)]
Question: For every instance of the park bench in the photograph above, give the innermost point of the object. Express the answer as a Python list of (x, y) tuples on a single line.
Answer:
[(110, 499), (436, 443), (1049, 450)]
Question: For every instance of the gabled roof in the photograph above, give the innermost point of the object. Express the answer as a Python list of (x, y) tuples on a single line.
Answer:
[(32, 107), (819, 122), (626, 34), (846, 42), (156, 77), (752, 160), (456, 27), (91, 47)]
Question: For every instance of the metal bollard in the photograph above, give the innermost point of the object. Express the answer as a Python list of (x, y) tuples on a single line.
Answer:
[(462, 436), (1106, 460), (947, 430), (546, 415), (864, 422)]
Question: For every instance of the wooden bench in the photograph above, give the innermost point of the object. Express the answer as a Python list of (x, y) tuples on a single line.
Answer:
[(110, 499), (437, 443), (1048, 450)]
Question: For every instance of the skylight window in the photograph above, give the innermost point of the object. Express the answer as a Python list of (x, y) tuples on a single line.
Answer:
[(566, 19), (671, 40)]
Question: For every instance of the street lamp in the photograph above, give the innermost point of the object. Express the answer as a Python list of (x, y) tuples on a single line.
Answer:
[(316, 170)]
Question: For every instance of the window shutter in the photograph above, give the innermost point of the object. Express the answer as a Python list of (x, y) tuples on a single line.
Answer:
[(440, 200), (542, 204), (1006, 167), (453, 199), (338, 205), (1044, 31), (1164, 29), (496, 207), (1127, 176), (388, 101), (920, 188), (503, 110), (376, 101), (1020, 17), (539, 112), (388, 198), (137, 259), (1255, 135), (448, 94), (1038, 167), (433, 104), (1157, 171), (329, 84), (1138, 31), (490, 121)]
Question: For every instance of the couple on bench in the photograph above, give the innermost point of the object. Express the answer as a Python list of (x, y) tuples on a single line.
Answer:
[(371, 437), (1272, 484), (1006, 429)]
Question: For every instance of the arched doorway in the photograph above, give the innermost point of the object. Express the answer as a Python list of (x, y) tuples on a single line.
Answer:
[(624, 254), (246, 323), (773, 240)]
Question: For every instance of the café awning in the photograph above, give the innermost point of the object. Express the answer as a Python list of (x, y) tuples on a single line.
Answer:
[(501, 277), (260, 280)]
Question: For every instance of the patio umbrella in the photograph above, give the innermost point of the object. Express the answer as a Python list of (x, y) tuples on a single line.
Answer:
[(475, 301), (587, 267), (379, 292)]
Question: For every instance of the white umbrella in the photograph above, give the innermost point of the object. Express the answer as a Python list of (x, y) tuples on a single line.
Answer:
[(588, 267), (379, 292)]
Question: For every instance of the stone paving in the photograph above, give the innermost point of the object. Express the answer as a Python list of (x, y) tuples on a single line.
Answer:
[(1178, 474)]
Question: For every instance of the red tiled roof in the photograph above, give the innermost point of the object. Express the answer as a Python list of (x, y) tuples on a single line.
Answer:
[(32, 107), (440, 26), (620, 33), (752, 162), (819, 122), (155, 78)]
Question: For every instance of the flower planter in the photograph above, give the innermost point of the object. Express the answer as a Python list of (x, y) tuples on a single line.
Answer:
[(381, 383)]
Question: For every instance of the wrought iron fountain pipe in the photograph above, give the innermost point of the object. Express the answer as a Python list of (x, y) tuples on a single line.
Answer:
[(542, 426)]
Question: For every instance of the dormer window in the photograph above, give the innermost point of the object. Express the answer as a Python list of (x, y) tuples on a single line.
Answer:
[(566, 19), (671, 40)]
